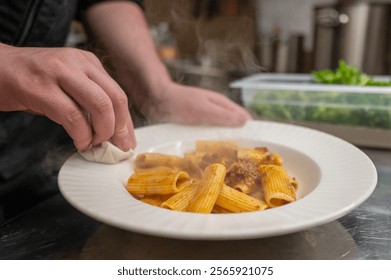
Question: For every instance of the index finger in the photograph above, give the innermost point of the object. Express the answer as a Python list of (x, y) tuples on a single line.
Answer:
[(123, 135)]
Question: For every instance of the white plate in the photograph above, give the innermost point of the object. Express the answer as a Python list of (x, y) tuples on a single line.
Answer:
[(334, 176)]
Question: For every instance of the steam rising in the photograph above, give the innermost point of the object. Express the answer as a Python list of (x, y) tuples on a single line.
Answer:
[(225, 42)]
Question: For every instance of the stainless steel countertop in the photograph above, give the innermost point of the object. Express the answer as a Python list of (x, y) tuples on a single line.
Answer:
[(55, 230)]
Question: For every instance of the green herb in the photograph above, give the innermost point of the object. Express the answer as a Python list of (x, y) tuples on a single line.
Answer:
[(346, 75), (343, 108)]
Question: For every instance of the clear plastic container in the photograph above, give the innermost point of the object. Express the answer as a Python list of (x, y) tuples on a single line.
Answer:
[(339, 109), (297, 97)]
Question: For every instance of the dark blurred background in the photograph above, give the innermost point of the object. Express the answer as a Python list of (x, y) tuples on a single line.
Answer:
[(272, 35), (209, 43)]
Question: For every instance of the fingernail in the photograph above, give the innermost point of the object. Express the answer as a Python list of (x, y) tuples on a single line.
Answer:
[(125, 144), (241, 119), (81, 147)]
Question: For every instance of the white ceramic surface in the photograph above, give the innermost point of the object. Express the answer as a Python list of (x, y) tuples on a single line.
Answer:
[(334, 177)]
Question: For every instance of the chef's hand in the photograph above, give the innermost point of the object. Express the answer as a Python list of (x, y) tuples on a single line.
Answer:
[(144, 77), (192, 105), (65, 84), (168, 101)]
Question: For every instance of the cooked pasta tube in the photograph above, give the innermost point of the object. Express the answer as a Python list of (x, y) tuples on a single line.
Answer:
[(275, 159), (252, 154), (158, 169), (236, 201), (220, 210), (181, 200), (277, 185), (147, 160), (157, 182), (242, 187), (260, 155), (226, 148), (155, 200), (210, 186)]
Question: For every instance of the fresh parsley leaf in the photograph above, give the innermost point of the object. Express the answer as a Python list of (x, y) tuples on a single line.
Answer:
[(346, 75)]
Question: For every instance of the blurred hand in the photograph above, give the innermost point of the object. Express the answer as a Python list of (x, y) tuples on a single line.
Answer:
[(145, 78), (66, 84), (191, 105)]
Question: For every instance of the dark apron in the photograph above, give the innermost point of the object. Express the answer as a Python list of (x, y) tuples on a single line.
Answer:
[(32, 149), (31, 146)]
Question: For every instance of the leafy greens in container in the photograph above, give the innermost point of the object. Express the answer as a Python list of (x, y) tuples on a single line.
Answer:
[(370, 110), (345, 97), (346, 75)]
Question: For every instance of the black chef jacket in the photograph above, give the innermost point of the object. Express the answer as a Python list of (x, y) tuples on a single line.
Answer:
[(32, 148)]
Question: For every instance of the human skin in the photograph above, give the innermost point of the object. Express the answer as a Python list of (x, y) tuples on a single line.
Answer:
[(144, 77), (66, 84), (71, 87)]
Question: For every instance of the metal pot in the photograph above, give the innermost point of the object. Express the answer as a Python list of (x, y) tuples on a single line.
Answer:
[(359, 33)]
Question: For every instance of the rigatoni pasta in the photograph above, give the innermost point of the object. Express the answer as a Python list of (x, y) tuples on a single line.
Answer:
[(155, 200), (277, 185), (217, 177), (151, 160), (209, 189), (181, 200), (236, 201), (158, 181)]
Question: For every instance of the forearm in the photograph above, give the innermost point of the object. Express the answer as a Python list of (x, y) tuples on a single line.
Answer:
[(120, 27)]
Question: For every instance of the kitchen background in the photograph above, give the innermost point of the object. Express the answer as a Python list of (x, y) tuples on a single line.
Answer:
[(273, 35), (207, 42), (212, 43)]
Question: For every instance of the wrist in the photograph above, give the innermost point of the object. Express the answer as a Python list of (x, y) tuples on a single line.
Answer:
[(155, 81), (142, 86)]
